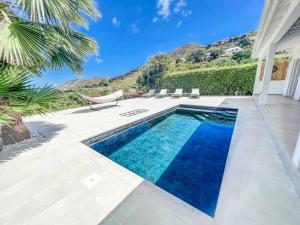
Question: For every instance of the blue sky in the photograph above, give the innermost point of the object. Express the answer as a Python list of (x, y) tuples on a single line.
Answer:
[(132, 30)]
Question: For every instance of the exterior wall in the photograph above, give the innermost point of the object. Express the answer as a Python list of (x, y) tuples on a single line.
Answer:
[(278, 81), (276, 87)]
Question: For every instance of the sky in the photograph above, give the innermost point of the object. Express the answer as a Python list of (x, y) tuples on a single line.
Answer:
[(132, 30)]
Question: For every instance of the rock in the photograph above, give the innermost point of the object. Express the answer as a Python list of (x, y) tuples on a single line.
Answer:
[(14, 133)]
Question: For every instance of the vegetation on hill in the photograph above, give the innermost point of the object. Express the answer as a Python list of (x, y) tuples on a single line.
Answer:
[(162, 69), (187, 57), (195, 57)]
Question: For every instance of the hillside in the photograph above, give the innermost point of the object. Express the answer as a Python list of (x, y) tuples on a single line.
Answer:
[(181, 55), (80, 83), (186, 50)]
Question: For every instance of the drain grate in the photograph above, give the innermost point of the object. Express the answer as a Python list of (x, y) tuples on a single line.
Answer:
[(133, 112)]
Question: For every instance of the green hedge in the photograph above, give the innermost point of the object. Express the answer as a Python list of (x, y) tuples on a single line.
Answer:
[(214, 81)]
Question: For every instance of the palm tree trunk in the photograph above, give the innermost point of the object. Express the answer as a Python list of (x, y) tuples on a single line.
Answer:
[(14, 132)]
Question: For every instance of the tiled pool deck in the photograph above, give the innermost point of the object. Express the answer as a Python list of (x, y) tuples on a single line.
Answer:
[(61, 181)]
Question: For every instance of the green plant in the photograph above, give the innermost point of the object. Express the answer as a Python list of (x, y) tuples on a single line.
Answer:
[(223, 62), (35, 35), (19, 97), (244, 42), (155, 69), (197, 56), (39, 34), (214, 54), (240, 56), (214, 81)]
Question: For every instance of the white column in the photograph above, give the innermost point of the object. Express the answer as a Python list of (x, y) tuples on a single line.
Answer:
[(267, 74), (288, 74), (297, 56), (297, 93), (294, 55), (257, 87), (296, 155)]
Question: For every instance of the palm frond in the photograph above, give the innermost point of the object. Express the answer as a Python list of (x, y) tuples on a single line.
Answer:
[(59, 12), (40, 46), (22, 44), (20, 97), (40, 96), (71, 50), (13, 82)]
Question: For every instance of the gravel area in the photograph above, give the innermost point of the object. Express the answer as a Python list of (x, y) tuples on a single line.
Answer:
[(36, 138)]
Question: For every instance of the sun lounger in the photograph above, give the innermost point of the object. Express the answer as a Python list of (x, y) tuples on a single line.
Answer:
[(177, 93), (150, 93), (113, 97), (162, 93), (195, 93)]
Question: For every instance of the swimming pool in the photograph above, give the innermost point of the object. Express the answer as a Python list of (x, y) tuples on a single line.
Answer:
[(182, 150)]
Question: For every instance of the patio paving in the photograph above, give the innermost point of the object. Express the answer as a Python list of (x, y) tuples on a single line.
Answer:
[(61, 181)]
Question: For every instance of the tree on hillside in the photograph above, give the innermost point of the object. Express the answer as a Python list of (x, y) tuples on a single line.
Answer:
[(157, 66), (243, 55), (214, 54), (197, 56), (36, 35), (244, 42)]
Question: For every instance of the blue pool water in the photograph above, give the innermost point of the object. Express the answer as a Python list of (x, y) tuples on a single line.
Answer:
[(184, 153)]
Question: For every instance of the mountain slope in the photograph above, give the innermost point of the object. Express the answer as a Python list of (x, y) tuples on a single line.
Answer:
[(186, 50), (128, 80)]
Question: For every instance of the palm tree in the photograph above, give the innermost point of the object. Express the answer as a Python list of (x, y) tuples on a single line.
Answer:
[(157, 66), (35, 35), (19, 98)]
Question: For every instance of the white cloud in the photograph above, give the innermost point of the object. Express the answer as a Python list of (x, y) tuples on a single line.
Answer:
[(179, 5), (115, 22), (135, 29), (98, 60), (179, 23), (163, 7), (186, 13), (155, 19)]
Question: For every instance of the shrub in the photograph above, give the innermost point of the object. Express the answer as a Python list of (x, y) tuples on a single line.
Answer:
[(214, 81), (222, 62), (214, 54), (244, 42), (157, 66), (240, 56), (197, 56)]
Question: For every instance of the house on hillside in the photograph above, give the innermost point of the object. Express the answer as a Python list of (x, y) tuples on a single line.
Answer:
[(231, 51)]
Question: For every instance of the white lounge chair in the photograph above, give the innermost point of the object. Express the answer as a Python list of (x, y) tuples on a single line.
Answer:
[(195, 93), (113, 97), (150, 93), (177, 93), (162, 93)]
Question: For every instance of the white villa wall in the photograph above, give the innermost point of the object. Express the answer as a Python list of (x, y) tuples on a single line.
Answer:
[(276, 87)]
